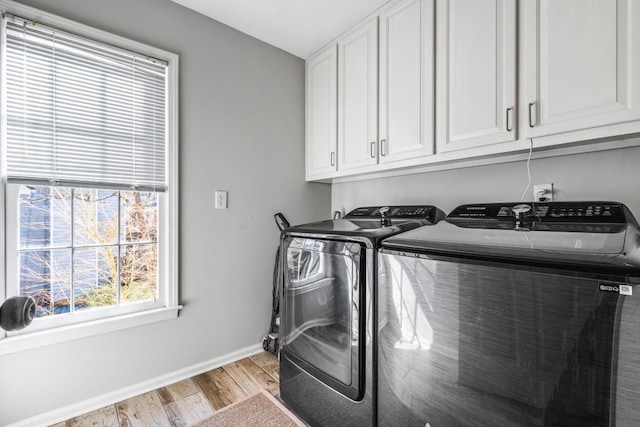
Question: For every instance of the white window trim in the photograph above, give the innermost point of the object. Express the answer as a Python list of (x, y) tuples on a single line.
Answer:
[(168, 263), (81, 330)]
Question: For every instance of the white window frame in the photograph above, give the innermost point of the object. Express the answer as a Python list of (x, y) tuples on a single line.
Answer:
[(45, 334)]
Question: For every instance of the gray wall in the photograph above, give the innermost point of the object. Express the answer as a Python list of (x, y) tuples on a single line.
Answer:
[(241, 130), (607, 175)]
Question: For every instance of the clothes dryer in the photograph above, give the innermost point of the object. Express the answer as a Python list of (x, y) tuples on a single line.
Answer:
[(327, 356)]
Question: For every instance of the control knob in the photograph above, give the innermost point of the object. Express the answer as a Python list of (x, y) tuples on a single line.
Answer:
[(384, 221), (519, 211)]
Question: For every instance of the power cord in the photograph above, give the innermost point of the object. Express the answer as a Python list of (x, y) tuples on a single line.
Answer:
[(528, 169)]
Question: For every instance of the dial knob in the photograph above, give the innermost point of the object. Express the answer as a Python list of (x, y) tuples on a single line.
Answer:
[(384, 221), (519, 211)]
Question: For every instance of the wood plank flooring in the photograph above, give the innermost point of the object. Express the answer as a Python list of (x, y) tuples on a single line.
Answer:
[(188, 401)]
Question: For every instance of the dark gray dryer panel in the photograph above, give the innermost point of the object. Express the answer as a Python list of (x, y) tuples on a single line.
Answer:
[(327, 360)]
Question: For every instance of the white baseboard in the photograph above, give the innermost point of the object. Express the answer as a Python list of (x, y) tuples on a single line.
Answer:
[(79, 408)]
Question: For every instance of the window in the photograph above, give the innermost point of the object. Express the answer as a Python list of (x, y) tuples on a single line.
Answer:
[(80, 249), (89, 172)]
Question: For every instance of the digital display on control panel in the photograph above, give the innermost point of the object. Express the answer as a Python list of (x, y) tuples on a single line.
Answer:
[(362, 212), (409, 211)]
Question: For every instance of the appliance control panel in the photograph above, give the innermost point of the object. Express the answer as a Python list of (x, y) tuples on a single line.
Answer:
[(564, 212), (580, 212), (394, 212)]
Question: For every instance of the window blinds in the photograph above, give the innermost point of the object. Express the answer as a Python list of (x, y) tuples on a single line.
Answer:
[(81, 113)]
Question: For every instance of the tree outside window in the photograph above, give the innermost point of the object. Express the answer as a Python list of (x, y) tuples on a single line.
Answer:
[(81, 249)]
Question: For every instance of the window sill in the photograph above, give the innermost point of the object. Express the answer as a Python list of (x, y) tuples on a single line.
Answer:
[(18, 343)]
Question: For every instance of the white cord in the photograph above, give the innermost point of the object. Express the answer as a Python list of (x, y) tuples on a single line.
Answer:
[(528, 169), (526, 237)]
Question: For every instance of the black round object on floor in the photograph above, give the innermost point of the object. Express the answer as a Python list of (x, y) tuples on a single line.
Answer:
[(17, 313)]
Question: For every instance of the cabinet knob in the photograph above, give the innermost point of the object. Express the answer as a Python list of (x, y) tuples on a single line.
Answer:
[(333, 158), (373, 150)]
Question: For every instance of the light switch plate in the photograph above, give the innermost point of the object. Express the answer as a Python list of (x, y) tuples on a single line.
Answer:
[(221, 199)]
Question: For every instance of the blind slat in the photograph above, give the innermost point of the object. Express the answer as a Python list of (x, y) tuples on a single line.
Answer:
[(81, 113)]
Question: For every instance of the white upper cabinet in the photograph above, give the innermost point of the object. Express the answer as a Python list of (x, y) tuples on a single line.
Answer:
[(321, 114), (433, 82), (358, 97), (582, 64), (406, 128), (476, 63), (395, 66)]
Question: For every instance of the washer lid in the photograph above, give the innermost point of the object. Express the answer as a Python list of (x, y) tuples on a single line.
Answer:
[(601, 233)]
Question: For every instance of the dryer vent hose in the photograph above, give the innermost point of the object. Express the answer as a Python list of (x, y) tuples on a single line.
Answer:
[(17, 313)]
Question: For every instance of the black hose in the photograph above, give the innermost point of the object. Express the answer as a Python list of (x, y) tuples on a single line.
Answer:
[(275, 311)]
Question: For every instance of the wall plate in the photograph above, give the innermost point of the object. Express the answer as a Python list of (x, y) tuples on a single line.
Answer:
[(543, 192), (221, 199)]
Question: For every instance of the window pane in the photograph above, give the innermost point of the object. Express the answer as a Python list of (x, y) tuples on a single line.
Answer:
[(95, 217), (45, 276), (95, 272), (139, 212), (45, 217), (92, 270), (138, 273)]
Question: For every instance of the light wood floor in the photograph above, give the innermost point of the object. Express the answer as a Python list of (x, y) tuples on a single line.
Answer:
[(188, 401)]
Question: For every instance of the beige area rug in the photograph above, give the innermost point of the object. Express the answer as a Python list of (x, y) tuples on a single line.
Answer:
[(262, 410)]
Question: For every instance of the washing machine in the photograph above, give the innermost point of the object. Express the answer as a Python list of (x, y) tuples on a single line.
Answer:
[(327, 356), (512, 314)]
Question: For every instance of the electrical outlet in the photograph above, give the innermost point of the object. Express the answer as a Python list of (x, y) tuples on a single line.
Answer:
[(543, 192), (221, 199)]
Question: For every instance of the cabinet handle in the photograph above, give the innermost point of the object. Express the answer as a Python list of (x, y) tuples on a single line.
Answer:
[(373, 149), (333, 158), (531, 104), (509, 125), (382, 146)]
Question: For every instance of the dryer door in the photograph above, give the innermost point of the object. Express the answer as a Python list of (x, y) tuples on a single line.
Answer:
[(323, 303)]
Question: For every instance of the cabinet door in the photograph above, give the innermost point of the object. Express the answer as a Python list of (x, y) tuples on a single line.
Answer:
[(406, 80), (476, 60), (358, 97), (321, 91), (582, 64)]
